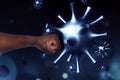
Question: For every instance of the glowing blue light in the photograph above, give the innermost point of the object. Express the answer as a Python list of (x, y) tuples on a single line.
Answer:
[(101, 48), (71, 67), (71, 30), (43, 55), (37, 4), (38, 79), (64, 75)]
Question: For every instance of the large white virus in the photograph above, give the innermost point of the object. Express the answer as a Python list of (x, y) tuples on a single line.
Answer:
[(75, 41)]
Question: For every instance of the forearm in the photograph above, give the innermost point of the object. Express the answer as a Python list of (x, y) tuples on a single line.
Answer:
[(48, 43), (9, 41)]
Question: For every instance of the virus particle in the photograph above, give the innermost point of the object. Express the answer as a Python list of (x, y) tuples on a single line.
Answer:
[(37, 4), (103, 49), (73, 39), (72, 68)]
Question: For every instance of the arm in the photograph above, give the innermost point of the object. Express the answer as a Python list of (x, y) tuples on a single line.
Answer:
[(48, 43)]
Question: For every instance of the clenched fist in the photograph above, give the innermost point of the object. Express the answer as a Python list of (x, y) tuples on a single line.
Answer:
[(49, 43)]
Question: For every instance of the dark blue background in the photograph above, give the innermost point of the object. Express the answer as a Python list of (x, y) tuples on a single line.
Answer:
[(20, 17)]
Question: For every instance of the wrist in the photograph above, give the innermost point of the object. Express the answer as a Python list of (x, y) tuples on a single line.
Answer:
[(34, 41), (30, 41), (37, 41)]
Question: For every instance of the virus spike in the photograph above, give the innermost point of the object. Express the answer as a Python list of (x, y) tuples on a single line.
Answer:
[(105, 53), (107, 48), (61, 19), (98, 19), (96, 51), (46, 26), (47, 29), (93, 60), (92, 35), (63, 52), (69, 58), (107, 45), (102, 56), (77, 63), (73, 19), (86, 12)]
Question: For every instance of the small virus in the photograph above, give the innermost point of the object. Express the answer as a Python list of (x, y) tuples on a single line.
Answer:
[(72, 68), (37, 4), (73, 39), (103, 49)]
